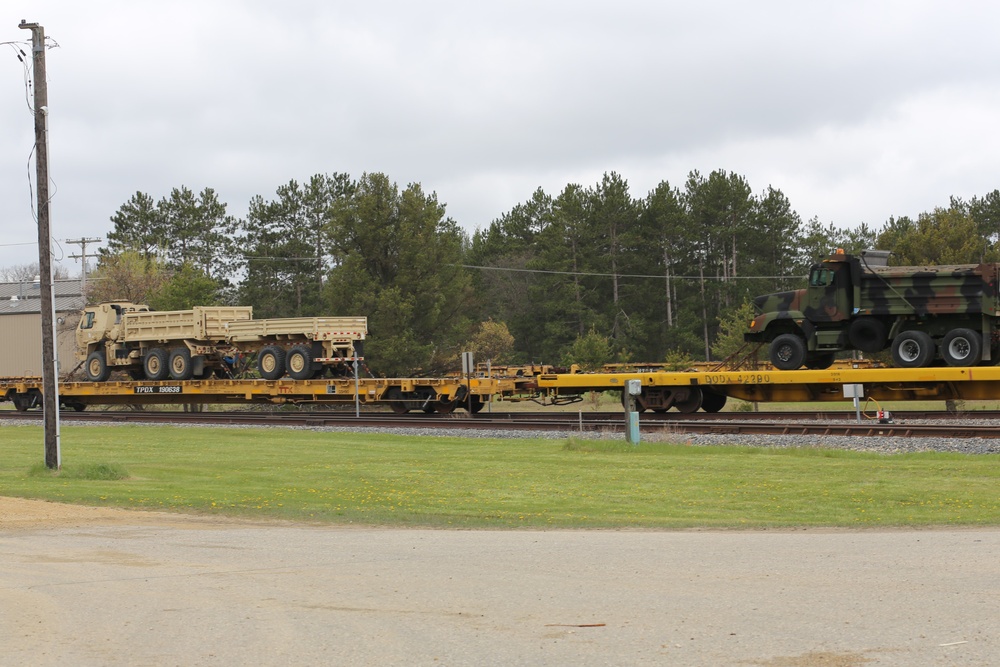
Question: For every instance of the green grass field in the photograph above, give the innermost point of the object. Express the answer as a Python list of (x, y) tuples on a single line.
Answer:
[(436, 481)]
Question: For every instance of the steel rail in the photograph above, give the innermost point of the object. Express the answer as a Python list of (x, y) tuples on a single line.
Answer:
[(612, 423)]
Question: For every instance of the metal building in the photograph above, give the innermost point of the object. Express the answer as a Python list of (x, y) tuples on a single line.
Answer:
[(21, 326)]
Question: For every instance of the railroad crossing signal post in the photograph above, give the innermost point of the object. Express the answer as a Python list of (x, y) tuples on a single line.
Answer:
[(632, 389)]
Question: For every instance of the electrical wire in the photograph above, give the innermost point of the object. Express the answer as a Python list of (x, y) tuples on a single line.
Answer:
[(622, 275)]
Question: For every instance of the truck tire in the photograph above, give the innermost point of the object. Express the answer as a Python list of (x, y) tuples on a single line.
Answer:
[(97, 367), (962, 347), (787, 352), (300, 363), (912, 349), (271, 362), (180, 364), (154, 364), (867, 334)]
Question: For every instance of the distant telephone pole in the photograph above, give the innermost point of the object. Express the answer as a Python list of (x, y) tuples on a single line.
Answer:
[(83, 243), (50, 395)]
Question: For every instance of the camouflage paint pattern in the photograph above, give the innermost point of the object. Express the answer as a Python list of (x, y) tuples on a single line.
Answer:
[(936, 290), (961, 293)]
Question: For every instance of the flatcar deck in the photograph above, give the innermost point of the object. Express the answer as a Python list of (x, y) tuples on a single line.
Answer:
[(403, 394), (684, 391), (896, 384)]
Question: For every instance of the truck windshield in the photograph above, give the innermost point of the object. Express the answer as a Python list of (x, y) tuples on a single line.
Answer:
[(88, 320), (820, 277)]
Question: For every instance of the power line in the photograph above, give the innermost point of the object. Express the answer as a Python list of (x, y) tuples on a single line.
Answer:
[(624, 275)]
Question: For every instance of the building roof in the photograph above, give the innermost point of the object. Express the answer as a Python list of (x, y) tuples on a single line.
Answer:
[(24, 297)]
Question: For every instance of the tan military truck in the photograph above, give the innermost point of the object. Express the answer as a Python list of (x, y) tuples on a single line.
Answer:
[(186, 344)]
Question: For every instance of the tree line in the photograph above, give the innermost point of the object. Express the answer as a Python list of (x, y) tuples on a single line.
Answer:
[(589, 272)]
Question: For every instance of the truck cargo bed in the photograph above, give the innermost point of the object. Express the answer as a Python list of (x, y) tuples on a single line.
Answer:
[(202, 323), (311, 328), (936, 290)]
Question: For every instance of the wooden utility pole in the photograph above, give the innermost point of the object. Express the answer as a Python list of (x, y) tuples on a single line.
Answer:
[(50, 392)]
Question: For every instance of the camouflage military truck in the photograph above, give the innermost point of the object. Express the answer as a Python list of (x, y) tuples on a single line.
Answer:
[(921, 313)]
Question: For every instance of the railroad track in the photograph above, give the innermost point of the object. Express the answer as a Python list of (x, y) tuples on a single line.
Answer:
[(945, 424)]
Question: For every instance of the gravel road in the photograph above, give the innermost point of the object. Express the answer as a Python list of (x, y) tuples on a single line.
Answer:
[(88, 586)]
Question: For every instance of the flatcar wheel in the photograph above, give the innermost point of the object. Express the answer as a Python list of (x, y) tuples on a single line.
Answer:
[(394, 398), (691, 402), (712, 402), (445, 407)]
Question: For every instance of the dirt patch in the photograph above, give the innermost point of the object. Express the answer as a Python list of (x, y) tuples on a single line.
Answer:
[(25, 514)]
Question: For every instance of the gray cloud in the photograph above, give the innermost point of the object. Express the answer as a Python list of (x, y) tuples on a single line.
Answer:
[(857, 110)]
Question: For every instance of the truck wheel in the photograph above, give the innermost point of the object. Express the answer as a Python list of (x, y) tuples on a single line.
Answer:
[(788, 352), (180, 364), (271, 362), (962, 347), (867, 334), (912, 349), (97, 367), (300, 363), (154, 364)]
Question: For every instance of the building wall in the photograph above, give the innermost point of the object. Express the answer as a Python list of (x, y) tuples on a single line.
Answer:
[(21, 344)]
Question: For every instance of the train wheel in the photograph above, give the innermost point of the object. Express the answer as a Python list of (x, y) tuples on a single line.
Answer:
[(445, 407), (97, 367), (180, 364), (476, 405), (712, 402), (154, 364), (691, 402), (912, 349), (962, 347), (395, 400), (271, 362), (300, 363)]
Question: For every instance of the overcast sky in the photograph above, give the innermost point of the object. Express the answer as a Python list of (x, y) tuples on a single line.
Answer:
[(857, 111)]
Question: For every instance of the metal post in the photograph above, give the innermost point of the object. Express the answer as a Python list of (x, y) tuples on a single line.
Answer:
[(357, 391), (50, 390)]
